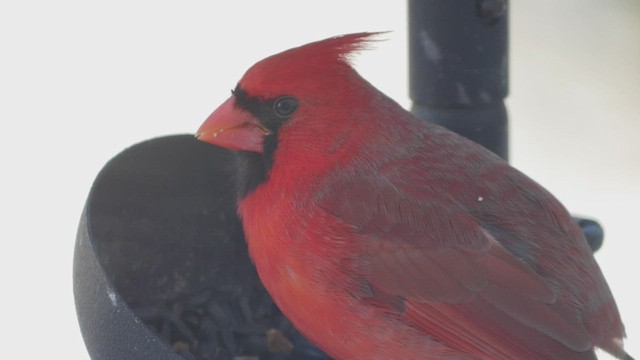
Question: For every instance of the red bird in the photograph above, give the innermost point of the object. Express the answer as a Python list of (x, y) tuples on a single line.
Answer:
[(381, 236)]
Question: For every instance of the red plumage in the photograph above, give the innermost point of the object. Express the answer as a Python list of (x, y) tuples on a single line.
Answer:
[(381, 236)]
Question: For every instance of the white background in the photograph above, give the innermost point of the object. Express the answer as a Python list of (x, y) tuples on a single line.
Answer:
[(81, 80)]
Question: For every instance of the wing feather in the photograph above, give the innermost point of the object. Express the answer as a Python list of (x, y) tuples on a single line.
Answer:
[(456, 281)]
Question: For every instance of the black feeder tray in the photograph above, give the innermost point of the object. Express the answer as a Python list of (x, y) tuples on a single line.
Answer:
[(161, 269)]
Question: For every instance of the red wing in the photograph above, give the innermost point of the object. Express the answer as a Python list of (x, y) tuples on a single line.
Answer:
[(485, 303), (458, 283)]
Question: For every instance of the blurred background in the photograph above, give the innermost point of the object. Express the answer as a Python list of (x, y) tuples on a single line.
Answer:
[(80, 81)]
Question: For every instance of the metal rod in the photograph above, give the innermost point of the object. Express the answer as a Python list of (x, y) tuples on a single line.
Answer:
[(458, 67)]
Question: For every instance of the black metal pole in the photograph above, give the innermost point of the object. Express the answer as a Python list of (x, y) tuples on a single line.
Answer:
[(458, 67)]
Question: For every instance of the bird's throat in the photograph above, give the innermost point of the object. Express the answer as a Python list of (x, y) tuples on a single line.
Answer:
[(252, 169)]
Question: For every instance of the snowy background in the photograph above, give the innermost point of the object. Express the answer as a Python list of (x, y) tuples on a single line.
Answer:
[(80, 81)]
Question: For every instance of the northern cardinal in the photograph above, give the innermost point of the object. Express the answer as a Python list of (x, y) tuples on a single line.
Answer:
[(381, 236)]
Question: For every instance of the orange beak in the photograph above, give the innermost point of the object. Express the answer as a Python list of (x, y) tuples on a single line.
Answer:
[(230, 127)]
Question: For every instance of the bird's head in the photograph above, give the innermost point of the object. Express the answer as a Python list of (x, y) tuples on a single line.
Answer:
[(311, 81)]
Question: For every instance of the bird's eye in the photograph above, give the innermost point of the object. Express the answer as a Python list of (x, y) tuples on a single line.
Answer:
[(285, 106)]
